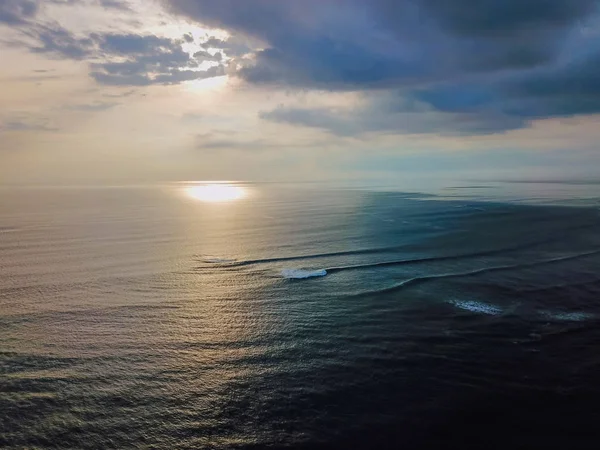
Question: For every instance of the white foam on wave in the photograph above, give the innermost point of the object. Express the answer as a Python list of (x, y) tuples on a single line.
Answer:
[(477, 307), (299, 274), (568, 316)]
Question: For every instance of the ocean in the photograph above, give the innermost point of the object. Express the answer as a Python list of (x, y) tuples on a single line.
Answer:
[(251, 316)]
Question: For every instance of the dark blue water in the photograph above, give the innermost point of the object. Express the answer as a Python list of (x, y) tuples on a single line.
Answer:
[(300, 318)]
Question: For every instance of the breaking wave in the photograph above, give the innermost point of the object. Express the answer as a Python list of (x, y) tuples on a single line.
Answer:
[(300, 274), (568, 316), (477, 307)]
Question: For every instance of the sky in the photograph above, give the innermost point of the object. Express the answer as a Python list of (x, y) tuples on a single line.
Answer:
[(144, 91)]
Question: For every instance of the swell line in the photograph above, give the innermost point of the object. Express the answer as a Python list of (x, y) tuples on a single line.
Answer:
[(435, 258), (425, 279), (314, 256), (491, 252)]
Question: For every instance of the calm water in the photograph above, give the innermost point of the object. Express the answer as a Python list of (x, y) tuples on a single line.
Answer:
[(300, 317)]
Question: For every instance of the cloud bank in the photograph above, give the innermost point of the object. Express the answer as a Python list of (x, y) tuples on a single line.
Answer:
[(449, 66)]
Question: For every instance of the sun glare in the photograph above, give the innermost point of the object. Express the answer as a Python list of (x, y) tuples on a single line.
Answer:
[(216, 193), (207, 84)]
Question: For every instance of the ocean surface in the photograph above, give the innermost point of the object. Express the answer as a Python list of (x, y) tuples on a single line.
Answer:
[(300, 316)]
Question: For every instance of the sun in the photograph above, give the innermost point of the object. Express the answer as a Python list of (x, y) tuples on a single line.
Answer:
[(216, 193)]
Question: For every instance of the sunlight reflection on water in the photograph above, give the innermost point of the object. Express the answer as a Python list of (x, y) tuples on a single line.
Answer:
[(216, 192)]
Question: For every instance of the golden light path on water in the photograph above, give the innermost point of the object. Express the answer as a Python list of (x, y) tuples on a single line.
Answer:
[(216, 192)]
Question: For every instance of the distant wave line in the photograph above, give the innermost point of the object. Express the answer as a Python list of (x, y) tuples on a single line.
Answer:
[(424, 279), (491, 252), (432, 259), (249, 262)]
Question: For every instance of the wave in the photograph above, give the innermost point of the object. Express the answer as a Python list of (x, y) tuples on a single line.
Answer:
[(484, 308), (568, 316), (384, 250), (477, 307), (8, 229), (299, 274), (368, 251), (318, 255), (450, 258), (427, 278), (476, 208)]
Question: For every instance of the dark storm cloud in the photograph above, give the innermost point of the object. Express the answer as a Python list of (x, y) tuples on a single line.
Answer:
[(365, 42), (506, 62), (493, 17), (570, 90)]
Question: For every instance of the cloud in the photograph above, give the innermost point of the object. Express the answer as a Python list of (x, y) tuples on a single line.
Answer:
[(117, 59), (224, 140), (25, 124), (424, 66), (206, 56), (476, 65), (136, 60), (92, 107), (127, 93), (372, 119), (218, 140), (60, 42), (370, 43), (133, 44), (17, 12), (149, 71), (490, 17), (114, 4), (569, 90), (126, 59), (233, 46)]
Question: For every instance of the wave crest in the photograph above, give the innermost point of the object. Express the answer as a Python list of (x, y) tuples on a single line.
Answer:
[(576, 316), (299, 274), (477, 307)]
